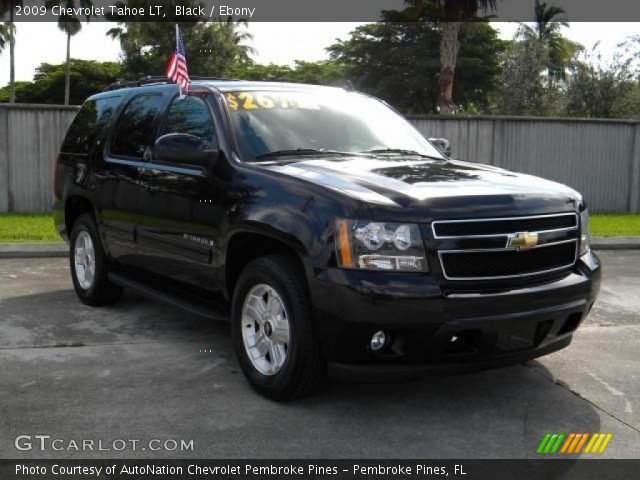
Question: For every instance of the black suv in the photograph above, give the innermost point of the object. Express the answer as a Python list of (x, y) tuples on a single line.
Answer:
[(324, 225)]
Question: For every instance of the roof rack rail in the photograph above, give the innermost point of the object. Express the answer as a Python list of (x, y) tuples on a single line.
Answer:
[(148, 80), (197, 77), (151, 79)]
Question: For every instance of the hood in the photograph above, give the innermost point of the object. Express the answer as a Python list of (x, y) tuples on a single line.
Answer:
[(409, 182)]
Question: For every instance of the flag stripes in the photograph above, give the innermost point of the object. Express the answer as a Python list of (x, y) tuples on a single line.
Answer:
[(177, 67)]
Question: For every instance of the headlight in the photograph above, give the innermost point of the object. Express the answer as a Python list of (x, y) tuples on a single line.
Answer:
[(380, 246), (584, 232)]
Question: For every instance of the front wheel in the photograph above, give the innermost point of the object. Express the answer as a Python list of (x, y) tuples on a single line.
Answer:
[(272, 329)]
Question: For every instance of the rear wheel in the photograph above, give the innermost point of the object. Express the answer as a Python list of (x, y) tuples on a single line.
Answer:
[(89, 265), (272, 329)]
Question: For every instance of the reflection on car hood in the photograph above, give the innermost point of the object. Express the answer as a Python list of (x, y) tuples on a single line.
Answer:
[(403, 181)]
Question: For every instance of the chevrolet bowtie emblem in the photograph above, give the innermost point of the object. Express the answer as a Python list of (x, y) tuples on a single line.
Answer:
[(522, 240)]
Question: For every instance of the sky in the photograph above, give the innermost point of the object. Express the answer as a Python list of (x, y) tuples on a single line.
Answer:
[(280, 43)]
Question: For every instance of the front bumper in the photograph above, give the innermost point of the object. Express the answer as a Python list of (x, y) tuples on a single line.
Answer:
[(432, 329)]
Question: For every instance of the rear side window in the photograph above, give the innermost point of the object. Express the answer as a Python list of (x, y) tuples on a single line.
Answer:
[(134, 131), (92, 118), (189, 115)]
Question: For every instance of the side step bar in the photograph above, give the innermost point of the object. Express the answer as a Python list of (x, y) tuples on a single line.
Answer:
[(162, 296)]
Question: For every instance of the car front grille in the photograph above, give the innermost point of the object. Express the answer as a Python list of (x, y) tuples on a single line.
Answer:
[(504, 226), (481, 249), (508, 263)]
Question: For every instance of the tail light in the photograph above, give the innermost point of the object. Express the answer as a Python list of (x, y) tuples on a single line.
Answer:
[(56, 167)]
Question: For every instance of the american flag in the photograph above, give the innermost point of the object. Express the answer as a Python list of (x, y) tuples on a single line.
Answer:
[(177, 68)]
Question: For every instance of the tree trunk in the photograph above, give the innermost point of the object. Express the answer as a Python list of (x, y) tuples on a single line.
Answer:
[(449, 47), (12, 66), (67, 72)]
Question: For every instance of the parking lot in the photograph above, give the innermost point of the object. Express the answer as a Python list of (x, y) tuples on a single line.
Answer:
[(141, 370)]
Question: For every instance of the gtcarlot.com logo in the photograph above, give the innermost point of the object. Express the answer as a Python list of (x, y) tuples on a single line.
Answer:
[(43, 443), (574, 443)]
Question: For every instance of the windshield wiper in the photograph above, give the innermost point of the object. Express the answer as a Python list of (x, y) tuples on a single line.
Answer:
[(303, 151), (401, 151)]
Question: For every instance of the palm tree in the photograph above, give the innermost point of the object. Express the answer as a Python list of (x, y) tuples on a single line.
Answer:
[(9, 32), (4, 35), (238, 37), (547, 30), (212, 47), (449, 14), (69, 24)]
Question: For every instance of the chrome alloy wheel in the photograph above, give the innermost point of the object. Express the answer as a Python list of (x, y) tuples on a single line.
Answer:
[(84, 259), (265, 329)]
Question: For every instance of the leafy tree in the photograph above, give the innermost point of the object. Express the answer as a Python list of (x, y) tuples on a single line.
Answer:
[(9, 32), (69, 24), (250, 70), (537, 53), (547, 29), (23, 92), (449, 16), (4, 35), (212, 47), (522, 90), (88, 77), (598, 90), (399, 62), (318, 73)]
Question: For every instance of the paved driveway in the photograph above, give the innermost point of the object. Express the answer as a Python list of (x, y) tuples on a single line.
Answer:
[(141, 371)]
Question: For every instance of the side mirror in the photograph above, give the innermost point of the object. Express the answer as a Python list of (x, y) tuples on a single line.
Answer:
[(442, 144), (184, 148)]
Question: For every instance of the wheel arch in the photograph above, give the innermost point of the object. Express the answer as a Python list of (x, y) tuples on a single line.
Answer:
[(246, 244), (75, 206)]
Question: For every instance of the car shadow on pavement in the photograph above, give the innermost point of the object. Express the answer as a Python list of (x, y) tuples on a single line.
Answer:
[(139, 368)]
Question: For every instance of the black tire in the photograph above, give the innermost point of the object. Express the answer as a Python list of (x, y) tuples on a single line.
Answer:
[(304, 370), (102, 291)]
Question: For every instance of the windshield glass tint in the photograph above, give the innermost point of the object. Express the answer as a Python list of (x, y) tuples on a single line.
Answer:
[(269, 121)]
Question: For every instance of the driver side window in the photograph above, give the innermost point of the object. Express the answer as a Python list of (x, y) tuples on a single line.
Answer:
[(189, 115)]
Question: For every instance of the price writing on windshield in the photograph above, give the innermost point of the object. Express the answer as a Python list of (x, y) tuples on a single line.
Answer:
[(267, 101)]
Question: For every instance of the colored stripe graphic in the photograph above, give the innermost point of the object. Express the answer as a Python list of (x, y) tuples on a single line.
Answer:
[(573, 443), (607, 439), (543, 443), (568, 442), (556, 445), (550, 443), (591, 442), (581, 442)]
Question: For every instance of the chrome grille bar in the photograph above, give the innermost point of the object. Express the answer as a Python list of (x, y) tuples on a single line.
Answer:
[(559, 259)]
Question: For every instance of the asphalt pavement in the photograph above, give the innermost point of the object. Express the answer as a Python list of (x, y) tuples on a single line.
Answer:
[(144, 371)]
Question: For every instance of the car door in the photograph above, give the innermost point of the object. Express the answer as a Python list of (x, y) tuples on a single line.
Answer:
[(118, 175), (178, 231)]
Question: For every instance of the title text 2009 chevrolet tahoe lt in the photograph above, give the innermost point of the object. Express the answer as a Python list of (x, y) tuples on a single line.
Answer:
[(324, 226)]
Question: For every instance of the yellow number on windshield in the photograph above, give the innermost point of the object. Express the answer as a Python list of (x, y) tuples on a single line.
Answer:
[(248, 101), (264, 101)]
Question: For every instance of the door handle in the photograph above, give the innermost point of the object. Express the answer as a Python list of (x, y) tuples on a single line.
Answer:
[(151, 189)]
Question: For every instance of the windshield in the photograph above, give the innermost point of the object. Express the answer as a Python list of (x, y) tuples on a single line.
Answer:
[(280, 123)]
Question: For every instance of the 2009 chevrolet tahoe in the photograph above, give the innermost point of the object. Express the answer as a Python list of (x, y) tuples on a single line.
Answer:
[(324, 225)]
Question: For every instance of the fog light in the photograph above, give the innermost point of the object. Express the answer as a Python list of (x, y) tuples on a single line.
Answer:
[(378, 340)]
